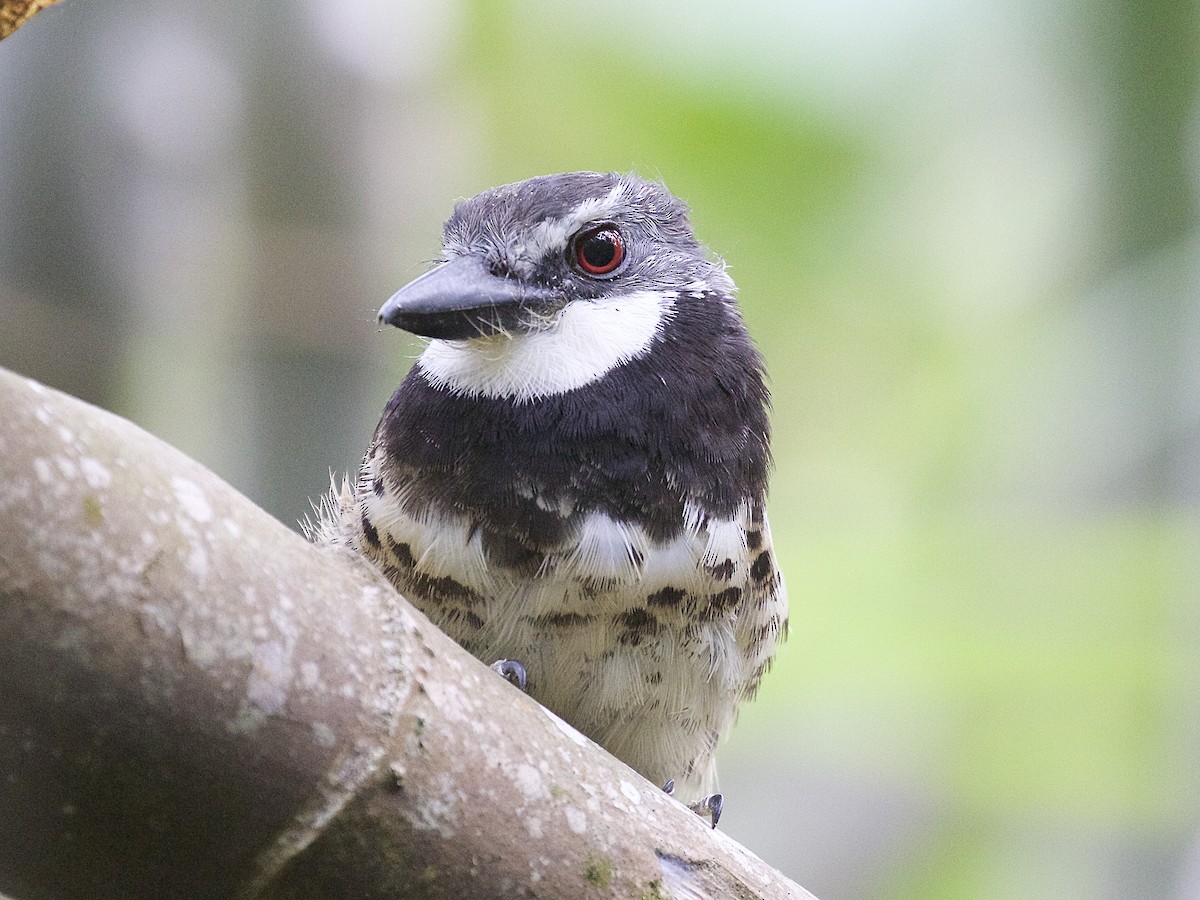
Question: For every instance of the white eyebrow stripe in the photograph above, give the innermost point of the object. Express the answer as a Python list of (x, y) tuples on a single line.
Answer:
[(553, 234)]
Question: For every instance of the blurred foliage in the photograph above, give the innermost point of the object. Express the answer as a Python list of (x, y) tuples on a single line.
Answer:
[(1024, 669)]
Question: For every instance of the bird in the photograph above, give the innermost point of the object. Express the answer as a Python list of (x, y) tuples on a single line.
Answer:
[(571, 479)]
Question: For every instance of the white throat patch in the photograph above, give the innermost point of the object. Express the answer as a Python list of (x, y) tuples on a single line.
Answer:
[(586, 340)]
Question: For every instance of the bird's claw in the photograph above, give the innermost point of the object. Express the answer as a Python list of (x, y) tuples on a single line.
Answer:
[(710, 806), (511, 671)]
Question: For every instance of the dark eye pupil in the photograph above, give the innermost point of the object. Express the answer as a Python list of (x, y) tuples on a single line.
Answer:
[(599, 250)]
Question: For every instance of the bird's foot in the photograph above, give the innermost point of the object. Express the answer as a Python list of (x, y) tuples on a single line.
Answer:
[(511, 671), (710, 806)]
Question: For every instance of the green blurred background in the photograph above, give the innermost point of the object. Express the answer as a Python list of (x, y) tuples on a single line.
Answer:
[(965, 235)]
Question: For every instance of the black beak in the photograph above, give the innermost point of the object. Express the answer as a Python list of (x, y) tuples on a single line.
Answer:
[(462, 299)]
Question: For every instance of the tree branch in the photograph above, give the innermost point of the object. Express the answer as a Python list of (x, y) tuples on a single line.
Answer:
[(15, 13), (195, 702)]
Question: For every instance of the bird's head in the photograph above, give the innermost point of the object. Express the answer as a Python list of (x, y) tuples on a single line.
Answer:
[(517, 256), (548, 284)]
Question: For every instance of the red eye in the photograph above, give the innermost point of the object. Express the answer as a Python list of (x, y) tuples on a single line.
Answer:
[(601, 251)]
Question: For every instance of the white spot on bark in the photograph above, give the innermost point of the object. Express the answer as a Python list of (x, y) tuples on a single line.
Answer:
[(529, 780), (95, 473), (631, 793), (249, 719), (199, 651), (197, 562), (310, 674), (440, 812), (160, 618), (267, 687), (576, 819), (323, 734), (52, 565), (192, 499), (42, 470)]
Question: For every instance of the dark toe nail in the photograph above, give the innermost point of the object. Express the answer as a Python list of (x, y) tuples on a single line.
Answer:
[(715, 803), (512, 670)]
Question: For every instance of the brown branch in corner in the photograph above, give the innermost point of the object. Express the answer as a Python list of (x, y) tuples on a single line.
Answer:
[(15, 13)]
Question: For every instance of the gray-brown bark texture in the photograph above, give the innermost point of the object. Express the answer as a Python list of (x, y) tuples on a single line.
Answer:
[(195, 702)]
